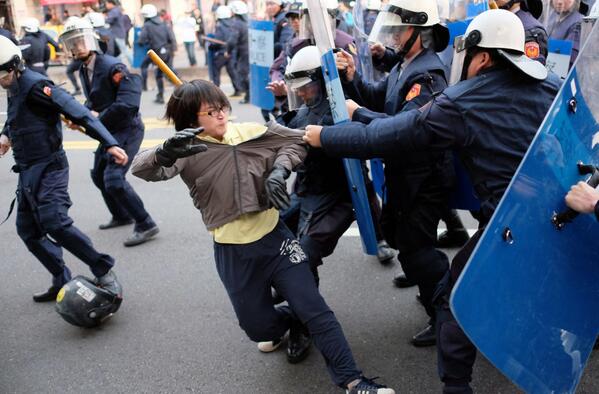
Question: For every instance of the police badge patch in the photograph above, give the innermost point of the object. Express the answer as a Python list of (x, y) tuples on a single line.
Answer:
[(532, 49)]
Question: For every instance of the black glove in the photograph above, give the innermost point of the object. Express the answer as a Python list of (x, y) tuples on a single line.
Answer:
[(276, 187), (178, 146)]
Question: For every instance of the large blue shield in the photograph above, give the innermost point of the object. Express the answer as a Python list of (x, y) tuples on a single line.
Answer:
[(262, 50), (529, 296), (353, 167)]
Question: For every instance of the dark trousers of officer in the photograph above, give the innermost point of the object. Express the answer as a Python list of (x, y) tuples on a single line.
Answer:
[(318, 220), (248, 271), (120, 198), (375, 208), (455, 353), (42, 212), (158, 74), (219, 61), (75, 65), (413, 231), (242, 70)]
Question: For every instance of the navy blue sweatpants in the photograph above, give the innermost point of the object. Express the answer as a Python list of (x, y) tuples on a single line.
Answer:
[(248, 271)]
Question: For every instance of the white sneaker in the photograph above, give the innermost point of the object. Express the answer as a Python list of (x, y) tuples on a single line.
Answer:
[(270, 346)]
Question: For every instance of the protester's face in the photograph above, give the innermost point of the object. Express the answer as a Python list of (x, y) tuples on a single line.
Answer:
[(563, 5), (214, 120), (6, 80), (272, 8)]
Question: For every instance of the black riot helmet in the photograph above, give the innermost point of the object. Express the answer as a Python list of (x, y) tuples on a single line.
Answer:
[(83, 304), (535, 7)]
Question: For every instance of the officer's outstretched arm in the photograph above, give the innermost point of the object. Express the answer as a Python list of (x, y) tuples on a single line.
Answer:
[(434, 126), (80, 115), (128, 97)]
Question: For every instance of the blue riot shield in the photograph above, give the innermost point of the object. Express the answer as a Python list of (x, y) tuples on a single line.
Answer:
[(528, 298), (139, 51), (262, 50), (558, 58), (353, 168)]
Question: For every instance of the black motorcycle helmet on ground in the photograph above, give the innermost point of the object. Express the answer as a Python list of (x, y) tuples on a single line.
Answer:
[(82, 303)]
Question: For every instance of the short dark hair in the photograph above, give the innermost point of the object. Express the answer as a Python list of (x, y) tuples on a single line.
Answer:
[(183, 106)]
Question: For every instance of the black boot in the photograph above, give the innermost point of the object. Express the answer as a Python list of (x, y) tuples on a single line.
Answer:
[(402, 282), (299, 342), (426, 337), (48, 295), (456, 235)]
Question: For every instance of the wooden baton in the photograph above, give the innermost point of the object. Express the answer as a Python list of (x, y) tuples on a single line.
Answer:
[(164, 68)]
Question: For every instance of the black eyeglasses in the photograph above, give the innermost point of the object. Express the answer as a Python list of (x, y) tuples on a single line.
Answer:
[(226, 110)]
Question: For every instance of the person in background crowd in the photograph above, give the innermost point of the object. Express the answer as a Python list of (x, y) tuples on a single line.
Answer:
[(114, 17), (564, 23), (187, 26)]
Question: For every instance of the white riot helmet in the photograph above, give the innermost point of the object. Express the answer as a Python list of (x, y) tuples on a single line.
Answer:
[(223, 12), (304, 73), (10, 56), (96, 19), (149, 11), (398, 15), (306, 31), (239, 7), (374, 5), (30, 25), (79, 36), (495, 29)]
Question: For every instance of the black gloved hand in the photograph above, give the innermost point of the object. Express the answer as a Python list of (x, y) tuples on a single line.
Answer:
[(178, 146), (276, 187)]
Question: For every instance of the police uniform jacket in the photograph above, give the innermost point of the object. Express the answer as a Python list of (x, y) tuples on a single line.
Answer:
[(158, 37), (37, 54), (114, 93), (490, 120), (319, 173), (412, 173), (283, 32)]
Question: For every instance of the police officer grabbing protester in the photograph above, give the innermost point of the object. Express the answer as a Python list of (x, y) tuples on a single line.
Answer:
[(33, 130), (115, 94), (481, 117), (417, 183)]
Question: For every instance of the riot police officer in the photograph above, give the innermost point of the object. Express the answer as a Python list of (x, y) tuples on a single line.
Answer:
[(371, 11), (529, 12), (482, 117), (33, 130), (115, 95), (321, 208), (7, 33), (106, 42), (160, 38), (37, 54), (238, 45), (283, 31), (220, 55), (417, 183)]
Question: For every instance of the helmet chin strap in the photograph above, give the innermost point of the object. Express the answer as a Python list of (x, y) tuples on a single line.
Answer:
[(407, 47)]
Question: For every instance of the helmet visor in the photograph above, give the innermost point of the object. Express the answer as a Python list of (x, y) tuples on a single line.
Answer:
[(387, 34), (303, 87), (457, 64), (305, 30), (79, 42)]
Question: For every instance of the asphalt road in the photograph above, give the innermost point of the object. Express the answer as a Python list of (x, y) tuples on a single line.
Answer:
[(176, 331)]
